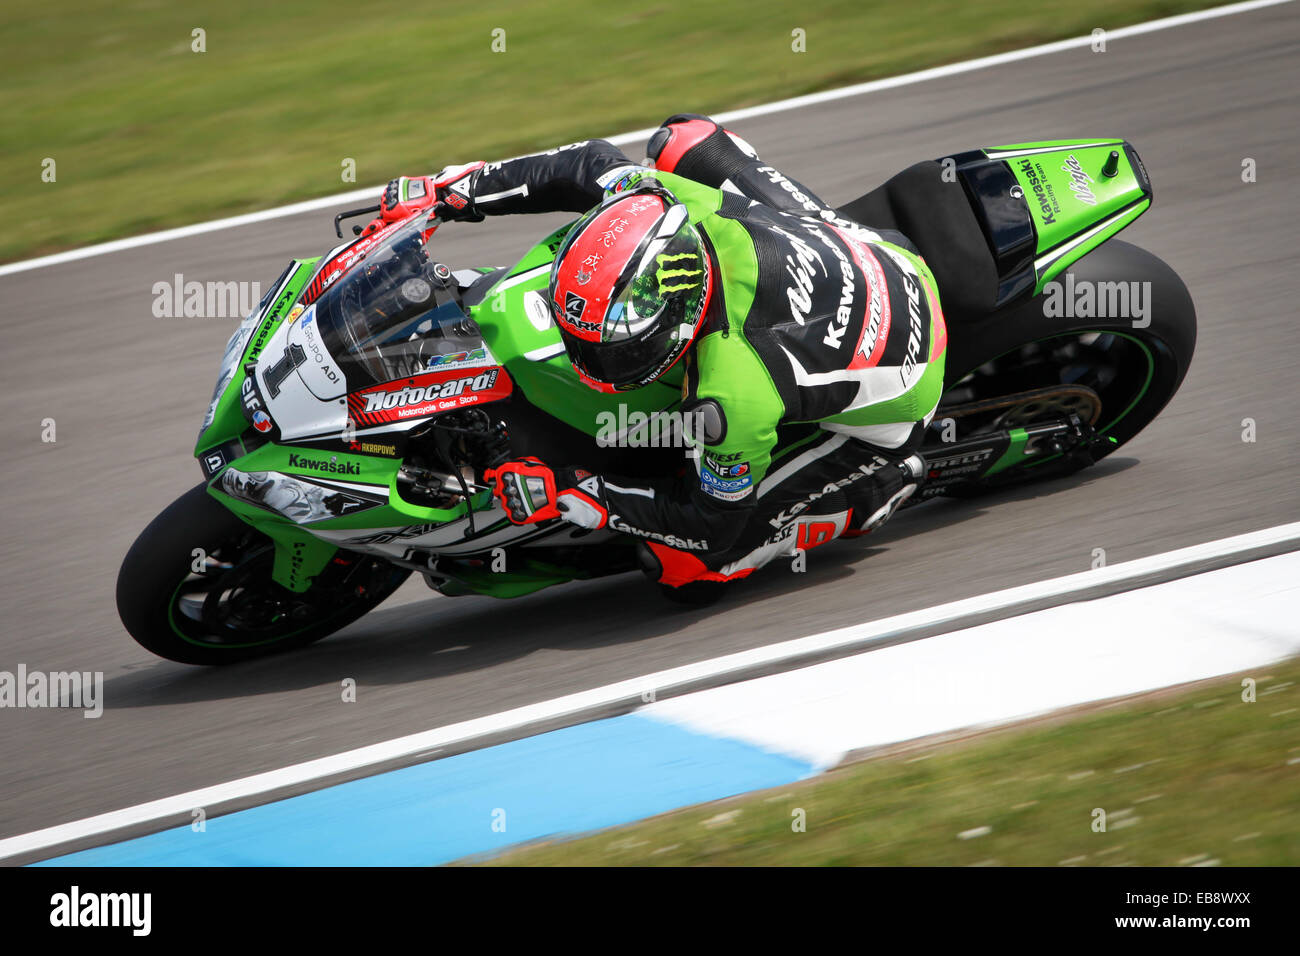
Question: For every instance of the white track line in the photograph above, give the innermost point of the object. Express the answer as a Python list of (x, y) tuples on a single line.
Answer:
[(1193, 628), (812, 99), (663, 683)]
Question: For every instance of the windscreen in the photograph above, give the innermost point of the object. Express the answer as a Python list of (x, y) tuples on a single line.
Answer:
[(390, 315)]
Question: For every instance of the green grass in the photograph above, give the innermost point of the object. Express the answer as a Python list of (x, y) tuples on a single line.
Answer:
[(147, 134), (1193, 775)]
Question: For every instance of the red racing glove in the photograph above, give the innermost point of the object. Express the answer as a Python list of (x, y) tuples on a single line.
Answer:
[(531, 491), (451, 191)]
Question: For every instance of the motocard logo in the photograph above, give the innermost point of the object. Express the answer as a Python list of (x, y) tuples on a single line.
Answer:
[(426, 395), (875, 332), (420, 394)]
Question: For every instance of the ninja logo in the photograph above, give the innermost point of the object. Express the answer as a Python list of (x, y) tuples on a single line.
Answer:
[(799, 267), (1080, 182)]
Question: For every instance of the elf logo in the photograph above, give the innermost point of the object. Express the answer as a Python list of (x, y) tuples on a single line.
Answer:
[(333, 465), (248, 393)]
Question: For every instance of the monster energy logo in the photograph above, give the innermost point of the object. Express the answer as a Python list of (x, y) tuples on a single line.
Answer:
[(676, 280)]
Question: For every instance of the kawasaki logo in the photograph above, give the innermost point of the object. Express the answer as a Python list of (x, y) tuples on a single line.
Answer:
[(381, 400), (789, 514), (321, 464), (677, 280), (1040, 192), (848, 290), (682, 544)]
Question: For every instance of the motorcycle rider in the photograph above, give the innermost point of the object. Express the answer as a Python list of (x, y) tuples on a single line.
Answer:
[(812, 347)]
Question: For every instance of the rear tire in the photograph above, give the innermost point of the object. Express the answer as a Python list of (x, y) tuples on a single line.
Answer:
[(1152, 360), (170, 621)]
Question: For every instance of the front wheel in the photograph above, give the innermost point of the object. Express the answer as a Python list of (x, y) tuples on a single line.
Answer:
[(196, 588)]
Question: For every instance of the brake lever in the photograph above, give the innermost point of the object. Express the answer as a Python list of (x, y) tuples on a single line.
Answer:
[(349, 213)]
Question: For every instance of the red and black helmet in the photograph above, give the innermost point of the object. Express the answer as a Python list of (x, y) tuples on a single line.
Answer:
[(629, 288)]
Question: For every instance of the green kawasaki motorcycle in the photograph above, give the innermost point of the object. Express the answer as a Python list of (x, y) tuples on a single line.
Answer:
[(358, 406)]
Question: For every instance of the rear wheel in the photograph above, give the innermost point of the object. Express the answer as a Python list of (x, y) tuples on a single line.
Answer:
[(196, 588), (1116, 372)]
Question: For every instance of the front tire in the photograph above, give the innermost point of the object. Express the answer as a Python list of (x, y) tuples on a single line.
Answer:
[(230, 610)]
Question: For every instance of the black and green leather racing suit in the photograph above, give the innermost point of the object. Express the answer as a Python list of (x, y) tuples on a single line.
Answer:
[(817, 370)]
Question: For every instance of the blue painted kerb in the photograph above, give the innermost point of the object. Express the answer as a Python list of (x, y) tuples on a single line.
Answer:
[(569, 781)]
